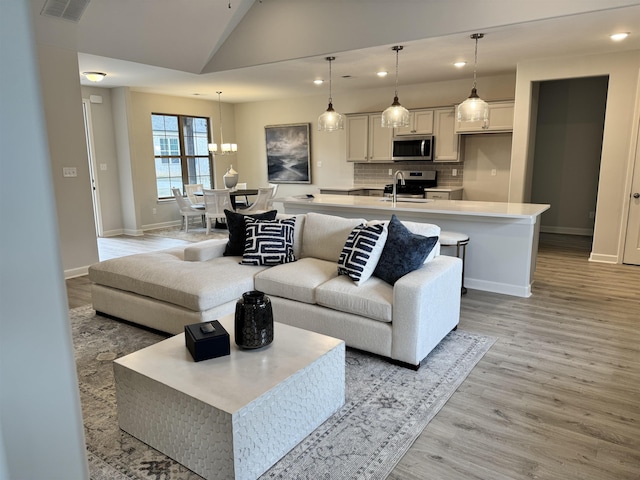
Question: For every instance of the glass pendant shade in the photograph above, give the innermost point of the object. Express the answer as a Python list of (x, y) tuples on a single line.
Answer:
[(473, 109), (330, 121), (395, 116)]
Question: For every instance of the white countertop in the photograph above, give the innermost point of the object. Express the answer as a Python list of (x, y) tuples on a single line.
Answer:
[(455, 207)]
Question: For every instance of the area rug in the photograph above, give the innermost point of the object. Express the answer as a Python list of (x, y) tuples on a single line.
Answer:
[(195, 234), (386, 408)]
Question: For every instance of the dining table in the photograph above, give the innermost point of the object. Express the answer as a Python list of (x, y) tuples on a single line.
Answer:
[(244, 192)]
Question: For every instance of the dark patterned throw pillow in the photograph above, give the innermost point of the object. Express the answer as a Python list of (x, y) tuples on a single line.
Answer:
[(237, 235), (404, 252), (361, 252), (268, 242)]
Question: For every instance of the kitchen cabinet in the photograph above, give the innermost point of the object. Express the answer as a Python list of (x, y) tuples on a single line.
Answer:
[(454, 193), (500, 120), (367, 140), (420, 123), (447, 147)]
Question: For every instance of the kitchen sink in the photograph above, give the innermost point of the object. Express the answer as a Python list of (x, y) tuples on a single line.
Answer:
[(407, 200)]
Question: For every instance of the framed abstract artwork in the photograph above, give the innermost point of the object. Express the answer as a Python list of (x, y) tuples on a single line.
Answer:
[(288, 153)]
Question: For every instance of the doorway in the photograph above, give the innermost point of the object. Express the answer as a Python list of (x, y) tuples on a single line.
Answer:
[(632, 243), (568, 149), (88, 129)]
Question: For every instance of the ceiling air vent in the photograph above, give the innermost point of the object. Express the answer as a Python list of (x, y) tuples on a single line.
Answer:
[(67, 9)]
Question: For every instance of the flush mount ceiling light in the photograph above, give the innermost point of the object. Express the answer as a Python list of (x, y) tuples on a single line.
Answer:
[(395, 115), (94, 76), (225, 148), (330, 120), (616, 37), (382, 74), (474, 109), (459, 64)]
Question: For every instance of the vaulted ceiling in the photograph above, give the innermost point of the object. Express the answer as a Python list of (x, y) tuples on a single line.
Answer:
[(259, 50)]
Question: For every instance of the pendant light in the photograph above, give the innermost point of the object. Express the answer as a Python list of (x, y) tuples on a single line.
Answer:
[(330, 120), (225, 148), (396, 115), (474, 109)]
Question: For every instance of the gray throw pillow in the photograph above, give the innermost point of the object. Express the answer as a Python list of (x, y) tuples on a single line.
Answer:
[(403, 252)]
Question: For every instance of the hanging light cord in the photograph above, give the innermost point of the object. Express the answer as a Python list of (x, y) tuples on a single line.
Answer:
[(330, 84), (397, 49), (220, 111), (476, 37)]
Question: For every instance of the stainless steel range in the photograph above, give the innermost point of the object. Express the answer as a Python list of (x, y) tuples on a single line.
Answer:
[(415, 183)]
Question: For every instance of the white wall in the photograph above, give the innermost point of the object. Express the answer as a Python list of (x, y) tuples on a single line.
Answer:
[(40, 419), (62, 101), (623, 70), (484, 153)]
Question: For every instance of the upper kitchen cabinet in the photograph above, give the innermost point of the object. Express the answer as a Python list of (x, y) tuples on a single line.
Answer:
[(447, 145), (500, 120), (367, 140), (420, 123)]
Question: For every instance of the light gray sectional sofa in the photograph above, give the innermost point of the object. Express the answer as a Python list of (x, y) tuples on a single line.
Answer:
[(168, 289)]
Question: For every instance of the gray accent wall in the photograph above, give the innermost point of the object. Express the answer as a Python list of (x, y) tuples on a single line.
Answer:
[(568, 146)]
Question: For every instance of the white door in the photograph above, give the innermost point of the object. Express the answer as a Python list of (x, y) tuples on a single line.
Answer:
[(632, 242), (86, 109)]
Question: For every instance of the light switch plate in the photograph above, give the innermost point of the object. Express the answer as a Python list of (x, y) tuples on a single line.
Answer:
[(69, 172)]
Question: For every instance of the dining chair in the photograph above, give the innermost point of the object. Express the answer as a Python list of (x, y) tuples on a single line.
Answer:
[(261, 204), (274, 187), (187, 210), (190, 189), (239, 201), (215, 203)]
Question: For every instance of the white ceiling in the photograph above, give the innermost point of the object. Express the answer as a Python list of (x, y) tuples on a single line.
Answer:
[(265, 50)]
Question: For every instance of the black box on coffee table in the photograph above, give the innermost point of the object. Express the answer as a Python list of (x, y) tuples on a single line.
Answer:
[(204, 344)]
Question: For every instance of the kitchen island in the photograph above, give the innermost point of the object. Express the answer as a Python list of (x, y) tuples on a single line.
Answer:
[(503, 246)]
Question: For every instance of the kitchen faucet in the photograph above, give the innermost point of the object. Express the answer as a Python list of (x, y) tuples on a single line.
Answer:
[(395, 181)]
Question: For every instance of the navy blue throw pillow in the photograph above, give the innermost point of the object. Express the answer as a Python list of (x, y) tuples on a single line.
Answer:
[(403, 252), (237, 231)]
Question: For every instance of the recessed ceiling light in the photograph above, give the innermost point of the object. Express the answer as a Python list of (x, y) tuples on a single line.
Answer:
[(318, 82), (94, 76), (616, 37), (459, 64), (382, 74)]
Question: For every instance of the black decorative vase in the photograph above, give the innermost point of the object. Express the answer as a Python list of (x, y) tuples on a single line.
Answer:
[(254, 320)]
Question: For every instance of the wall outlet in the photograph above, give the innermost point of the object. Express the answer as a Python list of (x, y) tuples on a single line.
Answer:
[(592, 215), (319, 163), (454, 172), (390, 171), (103, 167), (494, 172), (69, 172), (154, 211)]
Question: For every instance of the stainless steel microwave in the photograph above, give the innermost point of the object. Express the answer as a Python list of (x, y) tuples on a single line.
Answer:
[(412, 147)]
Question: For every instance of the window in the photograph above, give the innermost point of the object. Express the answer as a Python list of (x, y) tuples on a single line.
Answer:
[(181, 151)]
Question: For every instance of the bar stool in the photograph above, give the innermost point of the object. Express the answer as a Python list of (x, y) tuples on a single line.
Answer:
[(460, 241)]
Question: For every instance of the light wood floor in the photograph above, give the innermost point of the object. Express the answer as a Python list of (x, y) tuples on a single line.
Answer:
[(557, 396)]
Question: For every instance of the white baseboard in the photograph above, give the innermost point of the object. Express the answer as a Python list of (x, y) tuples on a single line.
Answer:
[(113, 233), (133, 233), (504, 288), (76, 272), (602, 258), (567, 230)]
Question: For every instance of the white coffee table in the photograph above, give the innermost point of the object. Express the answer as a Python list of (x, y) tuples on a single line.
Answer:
[(233, 416)]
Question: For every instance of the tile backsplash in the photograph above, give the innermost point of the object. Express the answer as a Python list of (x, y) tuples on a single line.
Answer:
[(378, 173)]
